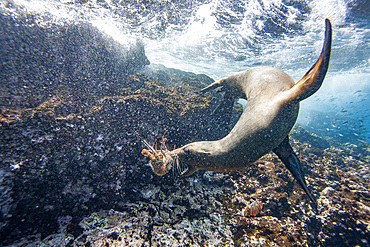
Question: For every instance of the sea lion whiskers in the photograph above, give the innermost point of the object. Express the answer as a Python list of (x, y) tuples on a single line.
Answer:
[(176, 165)]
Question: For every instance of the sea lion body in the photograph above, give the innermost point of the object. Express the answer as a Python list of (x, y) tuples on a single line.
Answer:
[(265, 122), (271, 112)]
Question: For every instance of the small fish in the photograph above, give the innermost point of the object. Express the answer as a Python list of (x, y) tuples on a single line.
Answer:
[(362, 141), (253, 209)]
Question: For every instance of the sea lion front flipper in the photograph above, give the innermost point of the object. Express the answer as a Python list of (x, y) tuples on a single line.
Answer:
[(286, 154), (212, 86), (313, 79)]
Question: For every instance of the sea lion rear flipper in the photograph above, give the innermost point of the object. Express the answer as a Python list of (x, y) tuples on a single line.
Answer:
[(313, 79), (286, 154)]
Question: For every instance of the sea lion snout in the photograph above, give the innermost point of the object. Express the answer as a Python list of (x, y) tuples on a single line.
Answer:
[(192, 155), (191, 151)]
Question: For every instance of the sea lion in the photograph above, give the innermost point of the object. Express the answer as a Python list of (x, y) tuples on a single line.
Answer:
[(270, 114)]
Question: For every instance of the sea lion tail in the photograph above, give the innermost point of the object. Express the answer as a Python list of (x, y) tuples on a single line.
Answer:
[(313, 79)]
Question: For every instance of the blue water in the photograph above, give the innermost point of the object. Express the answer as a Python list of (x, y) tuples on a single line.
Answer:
[(221, 37)]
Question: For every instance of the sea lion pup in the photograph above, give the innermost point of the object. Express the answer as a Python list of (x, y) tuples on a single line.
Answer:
[(270, 114)]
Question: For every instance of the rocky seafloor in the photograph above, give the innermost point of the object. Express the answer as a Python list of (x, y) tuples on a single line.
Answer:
[(72, 173), (75, 177)]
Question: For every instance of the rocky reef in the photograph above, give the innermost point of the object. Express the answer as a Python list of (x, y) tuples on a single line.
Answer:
[(40, 61), (74, 176), (61, 157)]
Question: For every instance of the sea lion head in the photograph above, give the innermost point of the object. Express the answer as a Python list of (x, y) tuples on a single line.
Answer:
[(192, 155)]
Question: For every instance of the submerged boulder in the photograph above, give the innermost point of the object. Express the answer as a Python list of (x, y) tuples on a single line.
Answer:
[(68, 158), (77, 59)]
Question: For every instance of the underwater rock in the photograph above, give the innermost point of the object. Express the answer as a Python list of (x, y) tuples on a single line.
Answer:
[(124, 204), (73, 58), (115, 228), (76, 177), (181, 80), (198, 232), (67, 158), (6, 194), (327, 192)]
